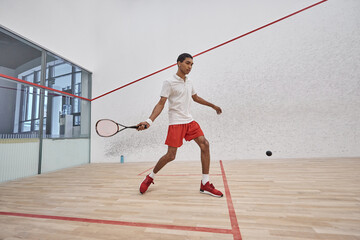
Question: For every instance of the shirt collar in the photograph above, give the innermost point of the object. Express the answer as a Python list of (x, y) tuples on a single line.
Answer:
[(179, 78)]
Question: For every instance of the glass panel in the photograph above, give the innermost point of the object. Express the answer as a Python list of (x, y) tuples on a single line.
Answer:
[(19, 108), (37, 103), (19, 145), (64, 113), (58, 154), (29, 103), (21, 60), (64, 116), (9, 94), (26, 126), (62, 69)]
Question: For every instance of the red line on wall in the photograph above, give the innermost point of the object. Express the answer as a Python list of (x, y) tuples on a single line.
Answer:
[(134, 81), (122, 223), (43, 87), (142, 78), (232, 214), (257, 29), (210, 49)]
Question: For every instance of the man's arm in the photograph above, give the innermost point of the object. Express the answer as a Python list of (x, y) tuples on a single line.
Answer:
[(155, 113), (202, 101)]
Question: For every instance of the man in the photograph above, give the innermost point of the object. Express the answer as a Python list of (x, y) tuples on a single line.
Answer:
[(180, 91)]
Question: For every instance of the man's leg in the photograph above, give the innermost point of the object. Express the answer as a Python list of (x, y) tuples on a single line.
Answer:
[(168, 157), (206, 186), (205, 153)]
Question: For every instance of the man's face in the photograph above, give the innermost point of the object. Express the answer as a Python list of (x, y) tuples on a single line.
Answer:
[(186, 65)]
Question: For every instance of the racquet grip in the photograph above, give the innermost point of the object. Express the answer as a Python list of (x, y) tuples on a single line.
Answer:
[(138, 127)]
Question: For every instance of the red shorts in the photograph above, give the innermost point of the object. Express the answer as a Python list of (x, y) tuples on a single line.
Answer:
[(176, 133)]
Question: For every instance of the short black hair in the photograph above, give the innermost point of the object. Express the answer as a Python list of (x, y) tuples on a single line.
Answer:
[(183, 56)]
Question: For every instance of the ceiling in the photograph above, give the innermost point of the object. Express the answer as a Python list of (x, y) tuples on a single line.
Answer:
[(14, 53)]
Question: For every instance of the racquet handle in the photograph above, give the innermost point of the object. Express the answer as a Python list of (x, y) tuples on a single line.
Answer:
[(137, 127)]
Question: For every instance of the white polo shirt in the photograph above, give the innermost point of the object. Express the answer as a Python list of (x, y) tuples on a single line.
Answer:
[(179, 93)]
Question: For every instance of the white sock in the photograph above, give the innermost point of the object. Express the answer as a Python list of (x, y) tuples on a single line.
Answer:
[(152, 175), (205, 178)]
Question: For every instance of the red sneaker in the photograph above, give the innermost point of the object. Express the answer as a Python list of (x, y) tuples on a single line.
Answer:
[(146, 183), (208, 188)]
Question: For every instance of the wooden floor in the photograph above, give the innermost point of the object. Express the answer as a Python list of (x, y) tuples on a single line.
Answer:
[(264, 199)]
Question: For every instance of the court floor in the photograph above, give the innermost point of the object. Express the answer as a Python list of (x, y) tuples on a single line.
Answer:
[(263, 199)]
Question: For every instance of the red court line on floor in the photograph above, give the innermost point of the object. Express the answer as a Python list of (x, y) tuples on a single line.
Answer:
[(210, 49), (43, 87), (235, 231), (233, 219), (175, 175), (183, 175), (232, 214), (145, 171), (122, 223)]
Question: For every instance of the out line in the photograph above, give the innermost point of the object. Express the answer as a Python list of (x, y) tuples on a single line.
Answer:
[(257, 29), (210, 49), (163, 69), (116, 89), (43, 87)]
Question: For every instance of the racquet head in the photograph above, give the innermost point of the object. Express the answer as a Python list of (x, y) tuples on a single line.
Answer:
[(106, 128)]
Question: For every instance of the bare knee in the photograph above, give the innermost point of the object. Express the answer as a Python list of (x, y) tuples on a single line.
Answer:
[(205, 145), (170, 156)]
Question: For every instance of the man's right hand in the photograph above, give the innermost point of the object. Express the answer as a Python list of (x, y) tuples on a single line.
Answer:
[(142, 126)]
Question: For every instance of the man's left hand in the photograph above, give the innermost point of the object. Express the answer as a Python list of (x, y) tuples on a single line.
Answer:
[(218, 110)]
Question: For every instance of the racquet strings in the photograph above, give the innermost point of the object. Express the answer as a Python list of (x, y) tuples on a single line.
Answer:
[(106, 128)]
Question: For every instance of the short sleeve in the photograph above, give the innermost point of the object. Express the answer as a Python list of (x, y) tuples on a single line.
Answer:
[(193, 92), (166, 88)]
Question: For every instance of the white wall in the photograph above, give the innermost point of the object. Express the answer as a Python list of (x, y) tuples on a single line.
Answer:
[(292, 88)]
